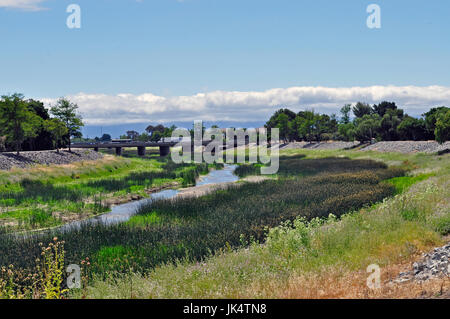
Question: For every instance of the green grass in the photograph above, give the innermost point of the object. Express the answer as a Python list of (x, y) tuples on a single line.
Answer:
[(81, 189), (196, 227), (403, 183), (382, 234)]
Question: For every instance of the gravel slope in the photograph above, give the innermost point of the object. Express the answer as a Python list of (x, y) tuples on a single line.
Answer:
[(26, 159), (394, 146), (408, 146)]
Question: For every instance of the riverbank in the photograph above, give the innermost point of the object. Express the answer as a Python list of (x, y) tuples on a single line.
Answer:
[(10, 160), (320, 260), (383, 146), (47, 196)]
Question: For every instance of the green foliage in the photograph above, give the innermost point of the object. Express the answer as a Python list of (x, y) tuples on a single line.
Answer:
[(367, 127), (345, 111), (383, 122), (167, 230), (17, 122), (442, 130), (431, 117), (66, 112), (57, 129), (361, 109), (402, 183)]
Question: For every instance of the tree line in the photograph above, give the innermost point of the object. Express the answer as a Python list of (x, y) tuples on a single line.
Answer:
[(25, 124), (381, 122)]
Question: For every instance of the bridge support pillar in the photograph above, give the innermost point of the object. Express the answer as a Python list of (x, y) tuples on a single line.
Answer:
[(118, 151), (164, 150), (141, 150)]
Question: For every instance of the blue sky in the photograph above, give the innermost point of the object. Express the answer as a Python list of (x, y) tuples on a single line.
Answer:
[(155, 50)]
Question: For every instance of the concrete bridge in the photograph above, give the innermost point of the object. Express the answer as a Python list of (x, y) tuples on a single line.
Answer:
[(164, 147)]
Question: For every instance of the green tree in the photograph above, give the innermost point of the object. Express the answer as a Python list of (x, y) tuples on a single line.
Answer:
[(382, 108), (305, 123), (389, 123), (366, 127), (361, 109), (442, 130), (144, 137), (345, 113), (283, 126), (57, 129), (66, 111), (431, 118), (412, 129), (105, 138), (347, 131), (17, 122)]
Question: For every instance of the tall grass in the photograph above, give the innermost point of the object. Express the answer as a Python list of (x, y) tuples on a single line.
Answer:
[(311, 259), (82, 191), (169, 230)]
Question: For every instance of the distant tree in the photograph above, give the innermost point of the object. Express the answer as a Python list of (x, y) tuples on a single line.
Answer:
[(361, 109), (345, 113), (384, 107), (44, 139), (273, 121), (412, 129), (132, 135), (105, 138), (283, 125), (17, 123), (442, 130), (156, 136), (144, 137), (305, 124), (57, 129), (389, 123), (366, 127), (66, 111), (430, 119), (347, 131)]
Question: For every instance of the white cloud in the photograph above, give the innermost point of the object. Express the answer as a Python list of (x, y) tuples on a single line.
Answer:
[(248, 106), (32, 5)]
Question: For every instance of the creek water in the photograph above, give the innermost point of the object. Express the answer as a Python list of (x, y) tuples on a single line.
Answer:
[(123, 212)]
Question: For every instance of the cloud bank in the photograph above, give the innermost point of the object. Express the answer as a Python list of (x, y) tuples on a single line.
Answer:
[(31, 5), (102, 109)]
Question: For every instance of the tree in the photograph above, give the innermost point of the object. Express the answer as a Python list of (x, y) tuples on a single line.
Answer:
[(105, 138), (43, 140), (431, 118), (412, 129), (366, 127), (345, 111), (132, 135), (347, 131), (16, 121), (156, 136), (384, 107), (442, 130), (389, 123), (144, 137), (361, 109), (283, 125), (57, 129), (305, 123), (65, 111)]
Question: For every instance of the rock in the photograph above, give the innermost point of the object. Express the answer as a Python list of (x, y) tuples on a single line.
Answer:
[(433, 265), (26, 159)]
